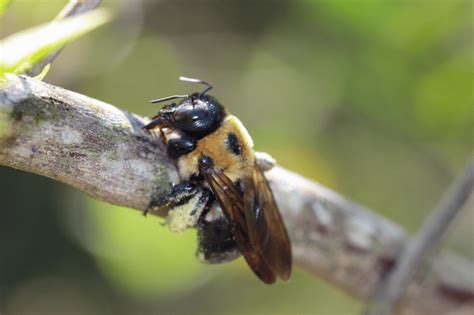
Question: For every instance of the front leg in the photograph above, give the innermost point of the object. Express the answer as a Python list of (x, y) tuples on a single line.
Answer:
[(178, 194), (186, 202)]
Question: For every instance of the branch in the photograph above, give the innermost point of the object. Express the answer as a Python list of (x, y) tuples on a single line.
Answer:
[(393, 288), (82, 142), (102, 151), (74, 7)]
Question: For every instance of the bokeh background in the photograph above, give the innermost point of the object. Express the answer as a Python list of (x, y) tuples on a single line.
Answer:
[(374, 99)]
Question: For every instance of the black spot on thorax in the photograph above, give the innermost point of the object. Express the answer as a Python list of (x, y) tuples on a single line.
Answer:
[(233, 144)]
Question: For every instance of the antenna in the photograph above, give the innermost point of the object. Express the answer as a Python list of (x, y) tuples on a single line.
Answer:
[(172, 97), (191, 80)]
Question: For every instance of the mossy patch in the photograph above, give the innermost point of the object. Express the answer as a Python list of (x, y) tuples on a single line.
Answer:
[(5, 123)]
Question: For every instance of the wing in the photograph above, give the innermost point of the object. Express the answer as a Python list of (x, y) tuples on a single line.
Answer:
[(231, 201), (267, 231)]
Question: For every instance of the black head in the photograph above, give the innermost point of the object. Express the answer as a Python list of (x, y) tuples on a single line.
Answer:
[(197, 114)]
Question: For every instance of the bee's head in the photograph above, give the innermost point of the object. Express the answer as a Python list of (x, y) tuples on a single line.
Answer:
[(197, 114)]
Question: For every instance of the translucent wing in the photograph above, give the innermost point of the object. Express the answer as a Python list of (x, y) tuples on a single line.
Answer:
[(231, 200), (267, 231)]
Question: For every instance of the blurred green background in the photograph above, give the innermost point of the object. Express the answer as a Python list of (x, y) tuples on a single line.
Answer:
[(374, 99)]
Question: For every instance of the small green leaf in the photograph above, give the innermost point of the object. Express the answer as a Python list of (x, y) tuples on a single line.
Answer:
[(22, 50), (3, 5), (43, 72)]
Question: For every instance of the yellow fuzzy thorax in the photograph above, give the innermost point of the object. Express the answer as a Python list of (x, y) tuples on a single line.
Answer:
[(214, 145)]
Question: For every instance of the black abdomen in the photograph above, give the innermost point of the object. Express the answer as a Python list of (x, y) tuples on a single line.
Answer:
[(215, 241)]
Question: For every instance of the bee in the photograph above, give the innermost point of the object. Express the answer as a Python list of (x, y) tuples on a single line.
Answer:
[(223, 191)]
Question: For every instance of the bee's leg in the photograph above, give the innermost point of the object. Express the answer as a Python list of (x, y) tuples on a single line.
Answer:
[(203, 204), (179, 193), (155, 121), (187, 214), (181, 146)]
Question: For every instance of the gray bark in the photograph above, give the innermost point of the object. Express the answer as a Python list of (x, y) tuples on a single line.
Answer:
[(102, 151)]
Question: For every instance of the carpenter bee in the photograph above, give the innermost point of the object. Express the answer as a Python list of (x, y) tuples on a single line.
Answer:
[(223, 191)]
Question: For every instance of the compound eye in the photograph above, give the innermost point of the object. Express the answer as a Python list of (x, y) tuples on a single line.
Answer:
[(189, 114)]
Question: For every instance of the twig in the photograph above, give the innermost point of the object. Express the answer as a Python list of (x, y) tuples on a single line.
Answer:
[(101, 150), (74, 7), (392, 289)]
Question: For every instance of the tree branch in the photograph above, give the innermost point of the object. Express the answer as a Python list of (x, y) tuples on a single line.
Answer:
[(394, 286), (74, 7), (102, 151), (82, 142)]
